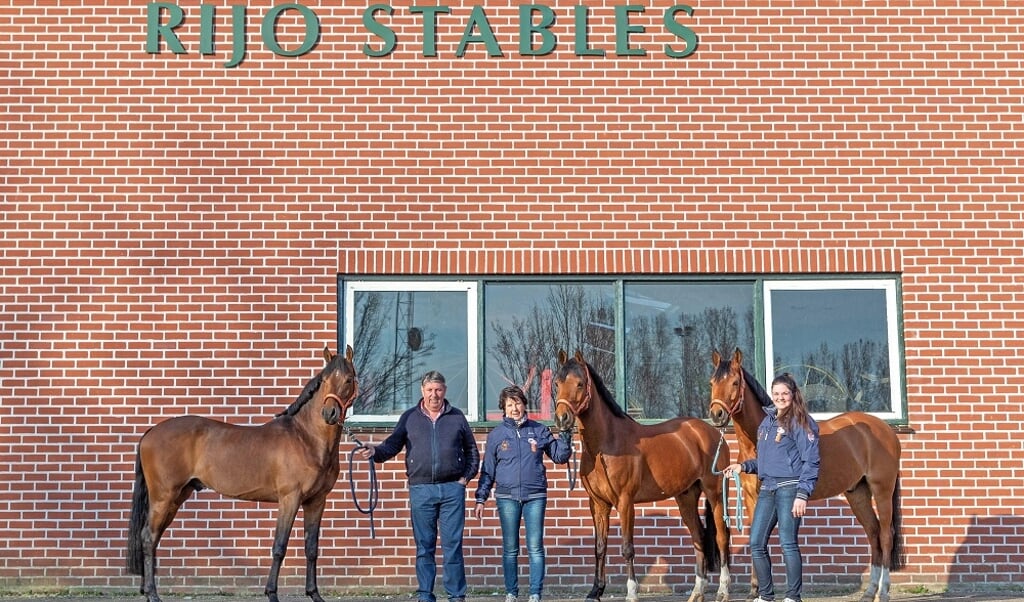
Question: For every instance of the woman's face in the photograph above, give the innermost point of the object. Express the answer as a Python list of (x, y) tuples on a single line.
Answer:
[(782, 396), (514, 408)]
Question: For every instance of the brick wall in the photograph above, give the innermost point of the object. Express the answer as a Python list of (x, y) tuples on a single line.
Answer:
[(172, 230)]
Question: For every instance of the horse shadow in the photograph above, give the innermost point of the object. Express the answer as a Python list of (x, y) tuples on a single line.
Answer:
[(989, 555)]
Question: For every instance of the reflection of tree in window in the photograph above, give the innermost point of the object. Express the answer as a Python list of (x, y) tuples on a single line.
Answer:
[(570, 317), (854, 379), (668, 366), (390, 349)]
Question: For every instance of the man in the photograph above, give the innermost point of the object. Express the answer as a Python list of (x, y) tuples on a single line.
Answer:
[(441, 457)]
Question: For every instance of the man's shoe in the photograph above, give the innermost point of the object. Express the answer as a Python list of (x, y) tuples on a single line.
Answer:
[(534, 598), (511, 598)]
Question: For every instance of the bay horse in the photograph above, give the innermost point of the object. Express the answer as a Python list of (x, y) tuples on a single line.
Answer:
[(626, 463), (860, 458), (291, 460)]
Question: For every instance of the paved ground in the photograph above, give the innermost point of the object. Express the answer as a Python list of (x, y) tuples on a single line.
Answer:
[(1004, 595)]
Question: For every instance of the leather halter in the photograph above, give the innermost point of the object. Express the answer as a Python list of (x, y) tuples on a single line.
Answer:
[(583, 405), (737, 406)]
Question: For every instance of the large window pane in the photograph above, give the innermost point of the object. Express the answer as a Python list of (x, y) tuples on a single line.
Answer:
[(400, 331), (526, 325), (671, 329), (839, 339)]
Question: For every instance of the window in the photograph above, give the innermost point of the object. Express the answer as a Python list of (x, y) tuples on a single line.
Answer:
[(650, 340), (839, 339), (401, 330)]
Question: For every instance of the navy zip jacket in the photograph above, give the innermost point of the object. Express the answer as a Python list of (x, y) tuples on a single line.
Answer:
[(514, 460), (435, 452), (785, 456)]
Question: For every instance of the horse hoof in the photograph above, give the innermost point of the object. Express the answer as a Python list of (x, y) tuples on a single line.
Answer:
[(272, 597), (315, 596), (593, 599)]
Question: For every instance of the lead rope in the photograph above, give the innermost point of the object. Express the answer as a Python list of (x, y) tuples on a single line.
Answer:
[(572, 466), (374, 496), (725, 490)]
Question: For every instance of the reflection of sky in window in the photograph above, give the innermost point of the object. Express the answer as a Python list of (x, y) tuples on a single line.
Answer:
[(676, 298), (442, 316), (803, 320)]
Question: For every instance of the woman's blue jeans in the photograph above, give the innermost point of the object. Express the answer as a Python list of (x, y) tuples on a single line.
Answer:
[(444, 505), (531, 513), (776, 508)]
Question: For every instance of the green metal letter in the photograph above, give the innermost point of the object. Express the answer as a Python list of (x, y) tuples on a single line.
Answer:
[(269, 33), (543, 29), (623, 29), (154, 31), (478, 18), (682, 32), (381, 31), (429, 26)]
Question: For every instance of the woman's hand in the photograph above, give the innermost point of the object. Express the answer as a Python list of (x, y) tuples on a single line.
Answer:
[(799, 507), (732, 469)]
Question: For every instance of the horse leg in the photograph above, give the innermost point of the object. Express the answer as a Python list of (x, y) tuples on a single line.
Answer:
[(885, 498), (627, 515), (859, 499), (161, 513), (287, 508), (714, 514), (599, 512), (687, 504), (312, 513)]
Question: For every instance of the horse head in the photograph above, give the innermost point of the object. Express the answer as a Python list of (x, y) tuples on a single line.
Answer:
[(728, 388), (573, 389), (339, 386)]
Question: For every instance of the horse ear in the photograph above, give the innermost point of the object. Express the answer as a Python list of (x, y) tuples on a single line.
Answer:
[(349, 354), (716, 358), (737, 357), (579, 357), (562, 356), (328, 356)]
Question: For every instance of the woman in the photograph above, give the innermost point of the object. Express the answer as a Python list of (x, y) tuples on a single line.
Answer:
[(787, 465), (513, 464)]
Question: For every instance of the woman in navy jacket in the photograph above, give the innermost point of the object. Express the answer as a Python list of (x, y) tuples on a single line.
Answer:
[(513, 464), (787, 466)]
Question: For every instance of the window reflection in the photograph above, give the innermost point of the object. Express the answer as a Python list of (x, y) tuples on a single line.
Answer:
[(836, 340), (671, 330), (526, 326)]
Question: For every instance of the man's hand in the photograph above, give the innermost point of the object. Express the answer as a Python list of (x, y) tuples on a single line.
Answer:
[(365, 452)]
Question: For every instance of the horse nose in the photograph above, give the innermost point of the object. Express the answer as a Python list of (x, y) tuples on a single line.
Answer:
[(331, 414), (717, 413)]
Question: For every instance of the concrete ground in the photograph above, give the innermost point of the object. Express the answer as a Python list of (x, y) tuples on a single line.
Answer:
[(988, 595)]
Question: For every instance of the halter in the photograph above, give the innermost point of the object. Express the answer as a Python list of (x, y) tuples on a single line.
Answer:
[(585, 404), (343, 404), (737, 405), (572, 466)]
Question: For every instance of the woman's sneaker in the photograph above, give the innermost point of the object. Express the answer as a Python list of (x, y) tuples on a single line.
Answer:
[(511, 598), (534, 598)]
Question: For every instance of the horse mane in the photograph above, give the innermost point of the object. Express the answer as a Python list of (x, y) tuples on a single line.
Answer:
[(602, 389), (309, 390), (757, 388)]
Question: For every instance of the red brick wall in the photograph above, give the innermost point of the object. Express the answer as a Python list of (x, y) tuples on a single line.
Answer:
[(172, 230)]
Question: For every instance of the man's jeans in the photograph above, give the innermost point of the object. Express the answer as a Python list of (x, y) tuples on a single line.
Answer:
[(431, 505), (776, 508), (532, 515)]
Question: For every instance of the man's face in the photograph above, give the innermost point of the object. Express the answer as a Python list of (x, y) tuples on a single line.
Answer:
[(433, 395)]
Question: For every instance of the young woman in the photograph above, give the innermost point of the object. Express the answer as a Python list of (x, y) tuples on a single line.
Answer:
[(787, 465)]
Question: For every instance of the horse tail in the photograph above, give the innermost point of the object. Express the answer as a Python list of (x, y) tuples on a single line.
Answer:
[(898, 556), (138, 520), (712, 556)]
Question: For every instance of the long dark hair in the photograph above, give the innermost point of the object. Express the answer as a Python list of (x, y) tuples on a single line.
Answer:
[(796, 414)]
